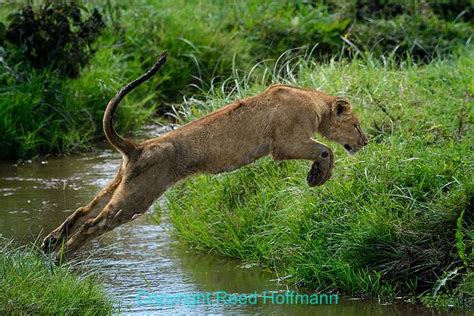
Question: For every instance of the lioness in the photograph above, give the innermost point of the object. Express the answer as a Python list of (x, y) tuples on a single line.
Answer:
[(279, 121)]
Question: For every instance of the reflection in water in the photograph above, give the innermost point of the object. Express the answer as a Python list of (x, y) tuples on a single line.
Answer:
[(140, 256)]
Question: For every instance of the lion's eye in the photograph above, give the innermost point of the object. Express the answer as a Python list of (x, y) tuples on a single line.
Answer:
[(357, 128)]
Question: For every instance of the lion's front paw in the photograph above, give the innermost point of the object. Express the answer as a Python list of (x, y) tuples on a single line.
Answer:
[(315, 176), (321, 170)]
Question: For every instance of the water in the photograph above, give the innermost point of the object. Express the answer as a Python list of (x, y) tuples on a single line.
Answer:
[(142, 256)]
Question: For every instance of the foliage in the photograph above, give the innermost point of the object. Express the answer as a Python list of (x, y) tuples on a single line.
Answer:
[(420, 37), (41, 113), (394, 220), (461, 296), (31, 284), (273, 27), (207, 41), (55, 36)]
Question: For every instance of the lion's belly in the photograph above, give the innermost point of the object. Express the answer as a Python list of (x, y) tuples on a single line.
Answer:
[(231, 158)]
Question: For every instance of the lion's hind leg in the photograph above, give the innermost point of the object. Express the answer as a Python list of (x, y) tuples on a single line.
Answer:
[(143, 181), (80, 216), (122, 207)]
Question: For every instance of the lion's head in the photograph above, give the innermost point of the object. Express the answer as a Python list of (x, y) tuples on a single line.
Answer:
[(342, 126)]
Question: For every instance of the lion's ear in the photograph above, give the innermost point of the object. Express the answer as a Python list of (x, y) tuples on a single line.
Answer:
[(341, 107)]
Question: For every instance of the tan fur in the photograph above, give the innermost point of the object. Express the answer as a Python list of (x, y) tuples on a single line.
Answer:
[(280, 122)]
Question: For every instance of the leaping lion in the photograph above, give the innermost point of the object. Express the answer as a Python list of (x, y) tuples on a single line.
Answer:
[(280, 121)]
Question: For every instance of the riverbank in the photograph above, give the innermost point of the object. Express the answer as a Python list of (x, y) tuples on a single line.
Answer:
[(395, 220), (32, 284)]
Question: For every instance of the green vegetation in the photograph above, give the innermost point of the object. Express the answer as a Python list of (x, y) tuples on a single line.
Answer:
[(54, 36), (43, 112), (33, 285), (396, 219)]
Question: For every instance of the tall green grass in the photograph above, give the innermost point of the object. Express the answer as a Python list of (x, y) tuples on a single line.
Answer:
[(33, 285), (396, 219)]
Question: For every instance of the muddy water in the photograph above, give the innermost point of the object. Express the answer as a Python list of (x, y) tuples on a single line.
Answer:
[(142, 259)]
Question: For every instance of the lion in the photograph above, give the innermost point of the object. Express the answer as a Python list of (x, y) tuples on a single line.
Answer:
[(280, 122)]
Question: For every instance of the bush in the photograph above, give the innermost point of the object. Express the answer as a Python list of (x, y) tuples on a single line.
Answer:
[(55, 36)]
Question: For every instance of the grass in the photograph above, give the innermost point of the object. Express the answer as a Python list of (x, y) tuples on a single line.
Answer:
[(32, 284), (207, 41), (394, 220)]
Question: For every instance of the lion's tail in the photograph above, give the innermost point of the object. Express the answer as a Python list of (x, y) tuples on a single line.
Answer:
[(126, 147)]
